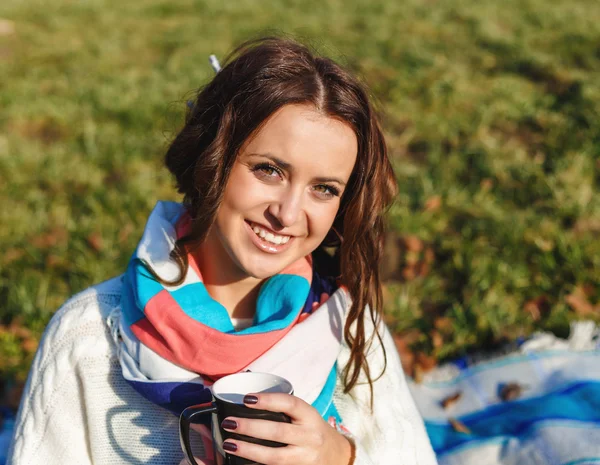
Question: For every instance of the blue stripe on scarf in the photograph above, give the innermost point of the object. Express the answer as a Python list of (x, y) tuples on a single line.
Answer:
[(576, 402), (139, 286), (324, 403), (195, 301), (129, 307), (276, 307)]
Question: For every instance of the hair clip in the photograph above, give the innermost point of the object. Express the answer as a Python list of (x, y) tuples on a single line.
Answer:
[(214, 62)]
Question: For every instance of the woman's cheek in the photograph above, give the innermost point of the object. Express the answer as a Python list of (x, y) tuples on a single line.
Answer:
[(322, 220)]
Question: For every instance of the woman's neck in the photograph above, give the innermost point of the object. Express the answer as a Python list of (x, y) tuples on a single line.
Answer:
[(238, 298), (237, 292)]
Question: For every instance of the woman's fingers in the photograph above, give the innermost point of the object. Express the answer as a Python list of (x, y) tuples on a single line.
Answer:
[(284, 433), (305, 438), (293, 406), (263, 454)]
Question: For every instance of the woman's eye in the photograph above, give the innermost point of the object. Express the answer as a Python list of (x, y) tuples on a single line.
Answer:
[(325, 191), (267, 171)]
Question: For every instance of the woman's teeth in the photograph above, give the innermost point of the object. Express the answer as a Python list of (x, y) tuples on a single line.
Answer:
[(270, 237)]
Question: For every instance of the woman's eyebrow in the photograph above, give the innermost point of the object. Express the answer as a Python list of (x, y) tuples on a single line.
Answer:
[(288, 167), (278, 161), (336, 180)]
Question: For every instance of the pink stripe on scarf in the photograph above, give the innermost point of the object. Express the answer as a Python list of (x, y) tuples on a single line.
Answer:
[(220, 354)]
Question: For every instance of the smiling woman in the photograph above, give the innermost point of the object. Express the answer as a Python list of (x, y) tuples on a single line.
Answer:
[(276, 199), (269, 264)]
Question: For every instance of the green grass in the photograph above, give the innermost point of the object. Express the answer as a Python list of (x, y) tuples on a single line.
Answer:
[(491, 111)]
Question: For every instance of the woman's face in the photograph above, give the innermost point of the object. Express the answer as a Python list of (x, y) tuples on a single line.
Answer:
[(283, 192)]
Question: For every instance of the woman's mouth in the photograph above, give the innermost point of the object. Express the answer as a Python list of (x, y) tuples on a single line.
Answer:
[(266, 239)]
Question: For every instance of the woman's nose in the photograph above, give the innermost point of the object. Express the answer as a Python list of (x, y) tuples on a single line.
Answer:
[(287, 208)]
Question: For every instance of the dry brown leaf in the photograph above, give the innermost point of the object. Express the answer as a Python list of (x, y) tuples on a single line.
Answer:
[(411, 335), (12, 255), (436, 338), (403, 343), (418, 374), (7, 27), (407, 358), (459, 426), (392, 251), (544, 244), (433, 203), (486, 184), (511, 391), (30, 345), (429, 255), (388, 319), (53, 261), (451, 400), (46, 130), (579, 302), (586, 225), (17, 328), (443, 324), (427, 362), (125, 232), (538, 307), (113, 178), (409, 273), (52, 238), (417, 270), (587, 289), (423, 269), (95, 241), (413, 243), (20, 332)]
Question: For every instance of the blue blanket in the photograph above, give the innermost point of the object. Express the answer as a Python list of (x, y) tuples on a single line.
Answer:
[(538, 405)]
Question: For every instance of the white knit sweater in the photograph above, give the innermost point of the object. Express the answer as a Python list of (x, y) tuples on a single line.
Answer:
[(77, 408)]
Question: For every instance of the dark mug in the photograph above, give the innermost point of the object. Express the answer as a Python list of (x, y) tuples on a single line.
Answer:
[(228, 400)]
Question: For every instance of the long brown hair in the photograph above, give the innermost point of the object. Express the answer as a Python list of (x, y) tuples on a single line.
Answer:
[(258, 78)]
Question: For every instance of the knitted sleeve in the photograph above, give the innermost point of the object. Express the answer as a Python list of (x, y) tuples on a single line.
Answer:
[(51, 426), (392, 432)]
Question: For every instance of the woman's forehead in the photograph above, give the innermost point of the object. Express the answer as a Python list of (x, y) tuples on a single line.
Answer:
[(304, 138)]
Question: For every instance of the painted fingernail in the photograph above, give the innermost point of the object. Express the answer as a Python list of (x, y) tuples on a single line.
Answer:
[(229, 424), (229, 446), (249, 399)]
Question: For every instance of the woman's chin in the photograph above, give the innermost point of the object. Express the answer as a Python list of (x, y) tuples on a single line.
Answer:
[(265, 267), (263, 272)]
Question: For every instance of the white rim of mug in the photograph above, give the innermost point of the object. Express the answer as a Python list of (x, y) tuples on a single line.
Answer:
[(288, 388)]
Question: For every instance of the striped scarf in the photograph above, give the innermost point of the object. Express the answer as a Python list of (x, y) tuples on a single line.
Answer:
[(175, 341)]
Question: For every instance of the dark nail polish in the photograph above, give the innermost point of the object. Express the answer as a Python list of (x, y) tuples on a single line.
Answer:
[(229, 446), (249, 399), (229, 424)]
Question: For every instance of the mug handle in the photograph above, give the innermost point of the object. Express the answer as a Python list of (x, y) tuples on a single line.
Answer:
[(186, 417)]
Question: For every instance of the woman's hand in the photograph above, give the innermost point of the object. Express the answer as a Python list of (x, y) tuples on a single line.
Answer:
[(311, 440)]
